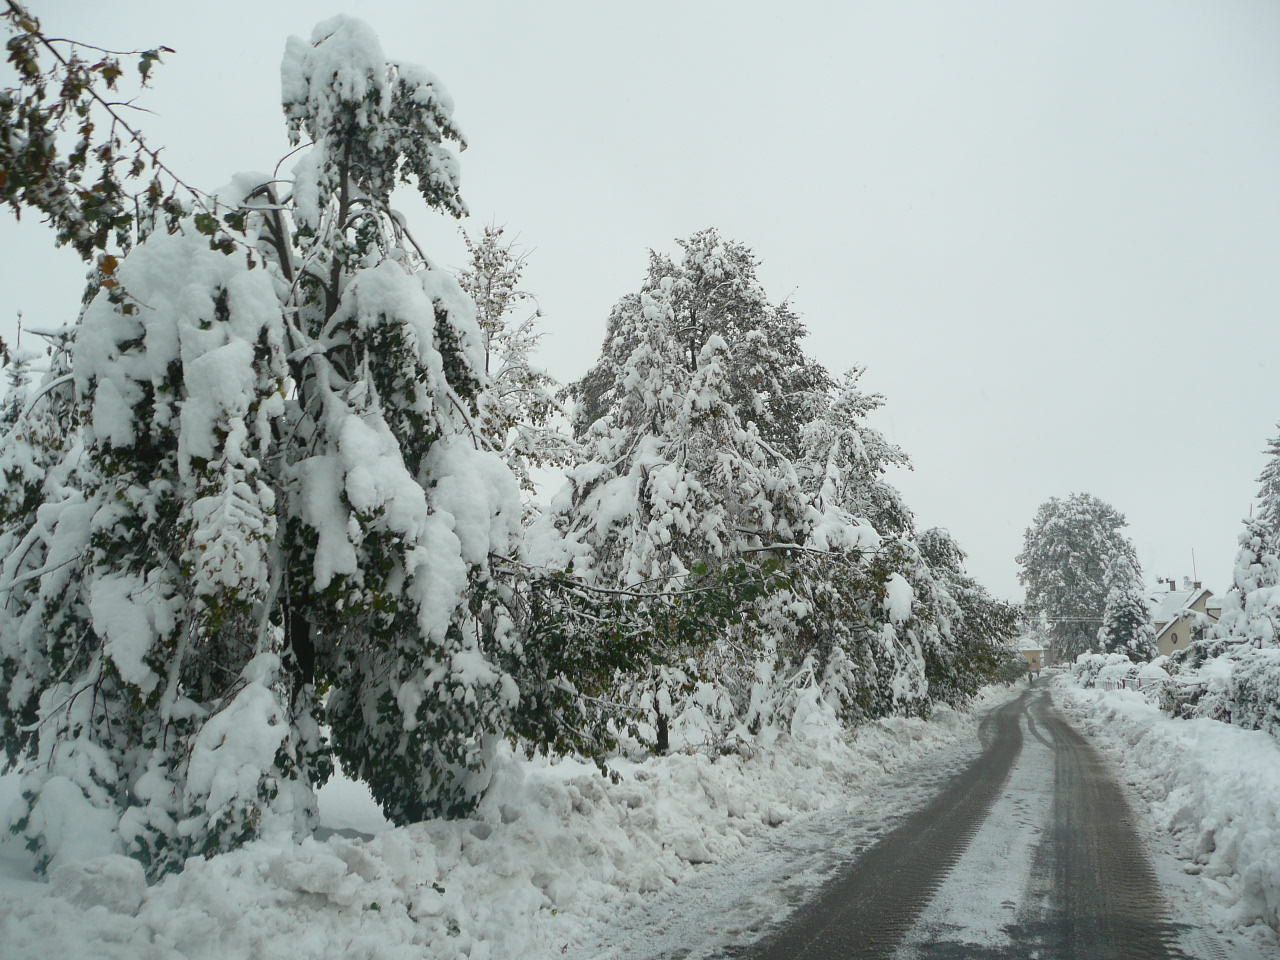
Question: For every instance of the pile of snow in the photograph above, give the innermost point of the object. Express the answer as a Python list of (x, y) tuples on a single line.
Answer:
[(1213, 787), (555, 854), (1154, 672)]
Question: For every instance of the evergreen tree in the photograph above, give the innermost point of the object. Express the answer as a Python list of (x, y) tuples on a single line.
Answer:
[(1239, 658), (1251, 608), (17, 376), (1126, 619), (1269, 492), (35, 570), (1064, 557)]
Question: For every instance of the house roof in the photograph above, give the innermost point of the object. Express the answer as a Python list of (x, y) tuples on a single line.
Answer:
[(1030, 644), (1165, 605)]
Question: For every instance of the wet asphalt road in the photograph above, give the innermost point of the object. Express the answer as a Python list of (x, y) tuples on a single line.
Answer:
[(1090, 892)]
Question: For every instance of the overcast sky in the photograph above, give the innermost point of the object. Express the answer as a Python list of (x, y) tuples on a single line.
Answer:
[(1050, 230)]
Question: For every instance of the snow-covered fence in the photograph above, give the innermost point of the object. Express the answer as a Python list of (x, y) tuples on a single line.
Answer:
[(1130, 683)]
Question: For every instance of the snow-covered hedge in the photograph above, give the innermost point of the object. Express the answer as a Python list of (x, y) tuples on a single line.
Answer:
[(1253, 690), (1241, 687), (552, 857), (1215, 788)]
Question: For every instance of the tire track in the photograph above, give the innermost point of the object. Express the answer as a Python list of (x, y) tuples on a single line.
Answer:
[(868, 911), (1105, 900)]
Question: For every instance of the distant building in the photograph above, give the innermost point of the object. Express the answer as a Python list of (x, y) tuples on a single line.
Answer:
[(1032, 651), (1177, 612)]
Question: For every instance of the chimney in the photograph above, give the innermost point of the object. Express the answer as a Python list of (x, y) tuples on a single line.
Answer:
[(1173, 585), (1186, 583), (1198, 585)]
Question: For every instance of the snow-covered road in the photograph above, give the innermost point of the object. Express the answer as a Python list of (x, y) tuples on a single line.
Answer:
[(1026, 847), (996, 833), (733, 903)]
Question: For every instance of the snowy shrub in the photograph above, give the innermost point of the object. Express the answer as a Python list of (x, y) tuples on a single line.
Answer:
[(1090, 668), (1253, 691), (1241, 686)]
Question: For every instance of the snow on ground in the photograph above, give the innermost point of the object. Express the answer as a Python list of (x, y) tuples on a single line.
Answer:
[(1209, 794), (734, 903), (553, 864)]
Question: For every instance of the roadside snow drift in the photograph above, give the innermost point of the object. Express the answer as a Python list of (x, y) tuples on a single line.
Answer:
[(1214, 787)]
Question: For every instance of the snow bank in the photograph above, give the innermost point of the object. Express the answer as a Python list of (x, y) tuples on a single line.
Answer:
[(1214, 787), (555, 854)]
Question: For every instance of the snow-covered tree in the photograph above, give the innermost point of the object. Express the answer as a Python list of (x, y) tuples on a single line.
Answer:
[(1238, 661), (1251, 608), (978, 631), (681, 483), (674, 484), (1269, 492), (873, 661), (17, 378), (1126, 618), (714, 291), (148, 572), (34, 470), (1064, 557), (843, 459), (519, 413), (277, 484)]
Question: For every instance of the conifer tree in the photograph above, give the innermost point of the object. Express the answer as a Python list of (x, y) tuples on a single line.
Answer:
[(1126, 619), (671, 481), (1243, 683), (1269, 491), (1240, 655), (872, 663), (17, 376), (844, 459), (1251, 608)]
